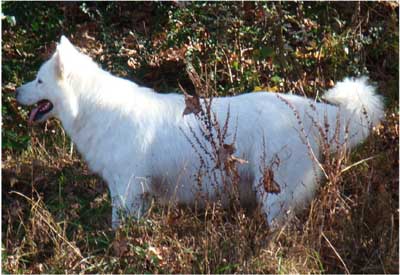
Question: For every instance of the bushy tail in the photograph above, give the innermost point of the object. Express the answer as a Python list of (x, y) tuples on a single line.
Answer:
[(359, 104)]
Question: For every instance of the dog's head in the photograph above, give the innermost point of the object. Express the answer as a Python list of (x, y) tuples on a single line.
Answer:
[(48, 90)]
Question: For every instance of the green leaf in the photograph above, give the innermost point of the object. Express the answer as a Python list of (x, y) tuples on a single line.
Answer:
[(235, 65), (276, 79), (266, 52)]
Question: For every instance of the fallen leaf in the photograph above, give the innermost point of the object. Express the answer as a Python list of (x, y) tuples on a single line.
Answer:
[(270, 185), (120, 246), (226, 157), (192, 105)]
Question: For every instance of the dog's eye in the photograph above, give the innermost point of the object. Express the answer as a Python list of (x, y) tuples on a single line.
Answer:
[(40, 81)]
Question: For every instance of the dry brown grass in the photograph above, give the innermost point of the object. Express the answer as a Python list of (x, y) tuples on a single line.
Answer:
[(56, 218), (56, 215)]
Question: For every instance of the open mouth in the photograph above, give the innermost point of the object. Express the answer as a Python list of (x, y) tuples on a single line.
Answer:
[(42, 108)]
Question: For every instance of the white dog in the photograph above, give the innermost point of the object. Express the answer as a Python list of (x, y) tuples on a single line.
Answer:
[(135, 138)]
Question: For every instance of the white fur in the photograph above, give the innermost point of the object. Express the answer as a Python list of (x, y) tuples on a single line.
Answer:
[(133, 137)]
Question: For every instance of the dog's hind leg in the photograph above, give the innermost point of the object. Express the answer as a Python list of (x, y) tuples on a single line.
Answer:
[(287, 188), (272, 205)]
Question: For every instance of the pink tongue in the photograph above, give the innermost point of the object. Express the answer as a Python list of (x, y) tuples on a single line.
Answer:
[(33, 114)]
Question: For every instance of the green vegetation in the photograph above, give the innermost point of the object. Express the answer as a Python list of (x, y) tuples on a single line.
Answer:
[(56, 214)]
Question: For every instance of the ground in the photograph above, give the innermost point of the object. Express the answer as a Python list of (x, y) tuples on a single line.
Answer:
[(56, 214)]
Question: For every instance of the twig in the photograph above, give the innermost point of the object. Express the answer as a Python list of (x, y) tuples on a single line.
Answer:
[(337, 254), (355, 164)]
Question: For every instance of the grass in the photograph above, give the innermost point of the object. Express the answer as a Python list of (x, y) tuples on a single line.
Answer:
[(56, 219), (56, 214)]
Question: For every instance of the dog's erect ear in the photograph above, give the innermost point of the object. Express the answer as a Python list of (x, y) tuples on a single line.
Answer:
[(65, 42), (66, 53), (66, 46), (59, 64)]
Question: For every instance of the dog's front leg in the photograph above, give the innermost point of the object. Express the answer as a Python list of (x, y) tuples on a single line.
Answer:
[(128, 201), (122, 209)]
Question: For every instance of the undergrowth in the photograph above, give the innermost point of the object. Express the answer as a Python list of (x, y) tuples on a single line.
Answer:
[(56, 215)]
